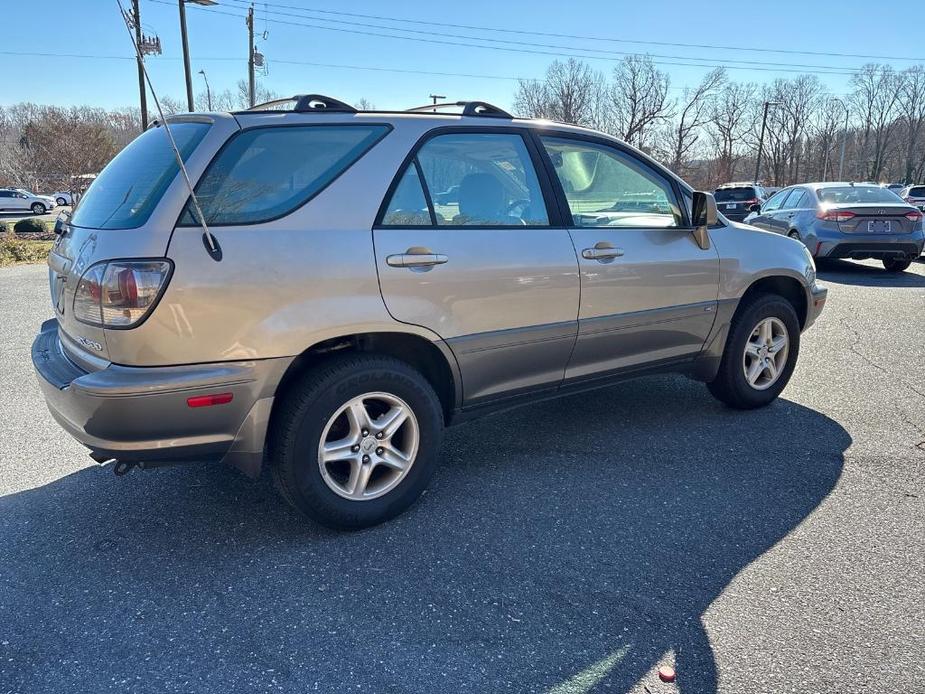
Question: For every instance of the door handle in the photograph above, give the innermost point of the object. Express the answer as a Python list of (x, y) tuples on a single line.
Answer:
[(416, 260), (601, 252)]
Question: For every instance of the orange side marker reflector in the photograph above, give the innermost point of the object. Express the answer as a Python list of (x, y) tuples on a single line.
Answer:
[(209, 400)]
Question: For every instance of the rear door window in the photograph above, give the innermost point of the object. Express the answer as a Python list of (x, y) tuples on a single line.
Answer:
[(262, 174), (126, 192)]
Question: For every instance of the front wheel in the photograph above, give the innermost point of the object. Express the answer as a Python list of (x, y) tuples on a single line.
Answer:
[(760, 355), (61, 201), (895, 265), (38, 208), (355, 441)]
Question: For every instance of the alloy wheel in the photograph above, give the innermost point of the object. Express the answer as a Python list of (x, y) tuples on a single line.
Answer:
[(368, 446), (765, 355)]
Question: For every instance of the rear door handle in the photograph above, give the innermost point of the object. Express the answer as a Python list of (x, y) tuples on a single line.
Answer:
[(416, 260), (601, 253)]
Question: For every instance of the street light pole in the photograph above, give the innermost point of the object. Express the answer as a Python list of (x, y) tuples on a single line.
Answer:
[(764, 122), (208, 91), (844, 138), (186, 69)]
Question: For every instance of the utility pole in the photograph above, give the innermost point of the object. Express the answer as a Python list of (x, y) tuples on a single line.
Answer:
[(434, 97), (251, 99), (208, 91), (142, 92), (764, 122)]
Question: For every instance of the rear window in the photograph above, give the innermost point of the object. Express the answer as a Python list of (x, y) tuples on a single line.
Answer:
[(917, 191), (735, 194), (126, 192), (857, 194), (265, 173)]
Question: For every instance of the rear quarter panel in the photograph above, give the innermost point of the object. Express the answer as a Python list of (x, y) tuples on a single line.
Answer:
[(280, 286)]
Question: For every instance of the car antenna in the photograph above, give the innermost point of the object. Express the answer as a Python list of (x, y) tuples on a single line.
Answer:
[(208, 240)]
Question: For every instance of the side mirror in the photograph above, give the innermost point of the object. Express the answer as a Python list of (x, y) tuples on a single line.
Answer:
[(703, 215), (756, 207)]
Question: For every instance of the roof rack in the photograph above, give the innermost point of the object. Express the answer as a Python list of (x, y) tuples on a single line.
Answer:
[(469, 108), (306, 103)]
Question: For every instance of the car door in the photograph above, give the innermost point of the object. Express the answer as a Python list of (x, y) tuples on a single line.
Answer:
[(648, 291), (6, 200), (466, 246), (764, 219)]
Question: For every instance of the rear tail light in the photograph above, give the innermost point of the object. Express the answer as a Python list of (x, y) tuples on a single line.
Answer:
[(835, 215), (119, 294), (915, 216)]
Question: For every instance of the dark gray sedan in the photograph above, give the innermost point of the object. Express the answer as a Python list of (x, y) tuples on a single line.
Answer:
[(844, 220)]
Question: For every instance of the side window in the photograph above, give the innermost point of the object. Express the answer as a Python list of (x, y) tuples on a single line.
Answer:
[(408, 206), (793, 200), (482, 179), (607, 188), (775, 202), (265, 173)]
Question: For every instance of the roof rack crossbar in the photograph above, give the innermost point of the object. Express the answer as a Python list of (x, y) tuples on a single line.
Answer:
[(470, 108), (306, 103)]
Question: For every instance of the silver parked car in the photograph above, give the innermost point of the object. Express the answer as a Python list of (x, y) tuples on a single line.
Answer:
[(19, 200), (846, 220), (336, 314)]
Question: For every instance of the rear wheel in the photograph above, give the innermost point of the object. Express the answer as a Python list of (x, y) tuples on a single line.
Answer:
[(760, 355), (38, 208), (794, 234), (355, 441), (895, 265), (61, 201)]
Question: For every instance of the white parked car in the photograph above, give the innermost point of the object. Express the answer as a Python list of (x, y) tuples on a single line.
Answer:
[(16, 200), (62, 197)]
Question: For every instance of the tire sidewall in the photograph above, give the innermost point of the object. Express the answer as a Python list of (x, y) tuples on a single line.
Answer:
[(766, 307), (38, 208), (300, 459)]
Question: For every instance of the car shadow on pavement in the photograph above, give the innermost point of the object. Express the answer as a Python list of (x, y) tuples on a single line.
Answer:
[(568, 546), (863, 275)]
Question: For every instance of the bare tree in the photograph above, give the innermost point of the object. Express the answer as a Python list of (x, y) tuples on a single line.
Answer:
[(695, 111), (912, 113), (875, 99), (571, 92), (730, 120), (638, 99), (365, 104)]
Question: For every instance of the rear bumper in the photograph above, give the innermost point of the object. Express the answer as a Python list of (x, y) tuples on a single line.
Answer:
[(861, 246), (141, 414)]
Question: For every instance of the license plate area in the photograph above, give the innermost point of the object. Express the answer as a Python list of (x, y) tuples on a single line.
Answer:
[(879, 226), (731, 206)]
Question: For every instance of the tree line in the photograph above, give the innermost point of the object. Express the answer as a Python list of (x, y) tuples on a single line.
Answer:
[(707, 133)]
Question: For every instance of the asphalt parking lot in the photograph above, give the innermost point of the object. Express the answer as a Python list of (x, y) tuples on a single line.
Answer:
[(571, 546)]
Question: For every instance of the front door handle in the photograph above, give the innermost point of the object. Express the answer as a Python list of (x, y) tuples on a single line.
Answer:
[(416, 260), (602, 251)]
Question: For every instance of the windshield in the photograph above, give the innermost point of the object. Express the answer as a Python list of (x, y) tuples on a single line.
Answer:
[(857, 194), (734, 194), (128, 189)]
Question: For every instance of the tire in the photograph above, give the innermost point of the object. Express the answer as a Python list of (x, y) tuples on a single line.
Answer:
[(794, 234), (61, 201), (731, 385), (894, 265), (311, 411), (38, 208)]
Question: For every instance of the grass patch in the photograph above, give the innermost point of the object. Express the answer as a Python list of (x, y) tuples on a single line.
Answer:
[(16, 251)]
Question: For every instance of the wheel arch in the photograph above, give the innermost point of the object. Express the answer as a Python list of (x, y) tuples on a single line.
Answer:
[(433, 359), (783, 285)]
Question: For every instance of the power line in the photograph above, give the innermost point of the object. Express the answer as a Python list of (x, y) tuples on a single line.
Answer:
[(589, 38), (544, 45), (518, 50)]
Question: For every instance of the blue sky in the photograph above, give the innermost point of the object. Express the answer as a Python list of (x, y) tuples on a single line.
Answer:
[(218, 44)]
